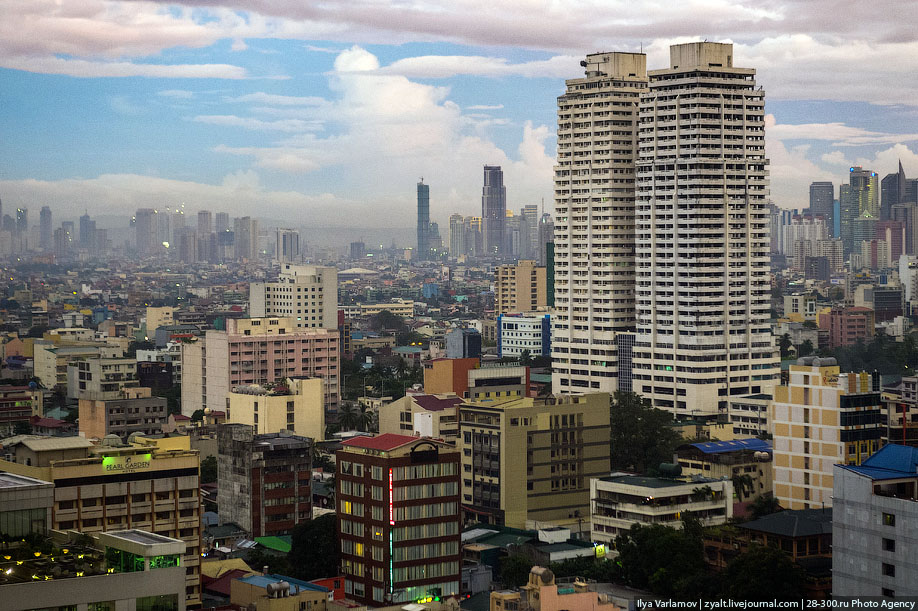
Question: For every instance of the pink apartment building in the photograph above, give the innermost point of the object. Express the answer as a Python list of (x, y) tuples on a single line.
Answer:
[(257, 351)]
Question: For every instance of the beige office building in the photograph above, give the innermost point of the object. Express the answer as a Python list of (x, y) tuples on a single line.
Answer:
[(296, 405), (435, 416), (519, 288), (531, 460), (820, 419), (116, 487), (308, 294)]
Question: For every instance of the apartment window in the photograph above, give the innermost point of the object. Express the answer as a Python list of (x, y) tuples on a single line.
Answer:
[(889, 569), (889, 545), (889, 519), (889, 593)]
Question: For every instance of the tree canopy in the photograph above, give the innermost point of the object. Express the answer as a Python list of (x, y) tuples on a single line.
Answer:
[(314, 550), (642, 436), (763, 573)]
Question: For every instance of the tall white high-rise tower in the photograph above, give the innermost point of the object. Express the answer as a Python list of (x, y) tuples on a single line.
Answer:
[(702, 279)]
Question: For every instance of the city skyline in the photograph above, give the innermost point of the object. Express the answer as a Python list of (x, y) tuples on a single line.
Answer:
[(324, 114)]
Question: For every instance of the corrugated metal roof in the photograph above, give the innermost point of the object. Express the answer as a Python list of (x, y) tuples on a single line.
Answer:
[(386, 441), (40, 444), (719, 447), (892, 461)]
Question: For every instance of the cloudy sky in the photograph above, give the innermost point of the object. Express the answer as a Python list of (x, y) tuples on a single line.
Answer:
[(326, 112)]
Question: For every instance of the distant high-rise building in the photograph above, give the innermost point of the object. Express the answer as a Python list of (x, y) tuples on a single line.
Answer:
[(546, 235), (144, 231), (892, 192), (358, 250), (45, 233), (513, 235), (222, 222), (860, 198), (245, 242), (423, 221), (456, 235), (822, 200), (493, 210), (178, 222), (529, 232), (473, 236), (205, 225), (287, 245), (185, 245), (22, 220), (87, 232)]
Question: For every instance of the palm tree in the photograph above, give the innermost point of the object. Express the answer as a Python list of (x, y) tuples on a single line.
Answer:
[(743, 486)]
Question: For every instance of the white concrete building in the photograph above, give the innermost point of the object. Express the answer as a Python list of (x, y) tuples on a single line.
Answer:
[(518, 332), (875, 525), (306, 293), (594, 220), (702, 243), (620, 501)]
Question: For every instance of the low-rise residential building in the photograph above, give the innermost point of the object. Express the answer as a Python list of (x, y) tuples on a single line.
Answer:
[(820, 418), (800, 307), (99, 378), (273, 592), (421, 414), (135, 411), (442, 376), (620, 501), (399, 307), (520, 332), (398, 518), (565, 442), (735, 460), (847, 326), (874, 536), (264, 481), (749, 414), (497, 381), (542, 593), (127, 569), (294, 404), (51, 360), (17, 405)]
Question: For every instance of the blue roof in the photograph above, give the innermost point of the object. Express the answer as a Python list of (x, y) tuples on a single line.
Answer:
[(262, 581), (718, 447), (892, 461)]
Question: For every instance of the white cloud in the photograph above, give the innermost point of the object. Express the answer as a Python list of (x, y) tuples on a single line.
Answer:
[(442, 66), (277, 100), (284, 125), (834, 158), (176, 93), (839, 133), (485, 107), (386, 130), (103, 69)]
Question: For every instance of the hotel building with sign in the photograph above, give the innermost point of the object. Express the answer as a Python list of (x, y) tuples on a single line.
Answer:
[(398, 519), (115, 487)]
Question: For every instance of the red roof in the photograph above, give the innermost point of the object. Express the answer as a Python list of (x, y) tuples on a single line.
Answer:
[(48, 423), (433, 403), (180, 417), (386, 441)]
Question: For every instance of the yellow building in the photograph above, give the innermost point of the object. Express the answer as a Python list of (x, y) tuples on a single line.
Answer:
[(519, 288), (527, 459), (277, 593), (158, 317), (51, 359), (428, 415), (114, 487), (821, 418), (399, 307), (296, 405)]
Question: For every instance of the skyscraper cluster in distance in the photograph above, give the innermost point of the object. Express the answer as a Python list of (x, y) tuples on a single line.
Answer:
[(496, 235)]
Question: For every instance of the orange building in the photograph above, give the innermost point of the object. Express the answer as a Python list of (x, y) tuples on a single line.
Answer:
[(442, 376)]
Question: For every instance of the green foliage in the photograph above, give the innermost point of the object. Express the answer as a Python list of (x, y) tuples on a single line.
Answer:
[(743, 486), (277, 564), (354, 417), (388, 321), (314, 551), (763, 573), (641, 436), (764, 505), (514, 570), (785, 344), (525, 357), (209, 470), (880, 354), (666, 561), (198, 415), (22, 428), (805, 349), (602, 570)]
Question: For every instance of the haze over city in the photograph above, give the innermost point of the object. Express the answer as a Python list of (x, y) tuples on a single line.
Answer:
[(326, 115)]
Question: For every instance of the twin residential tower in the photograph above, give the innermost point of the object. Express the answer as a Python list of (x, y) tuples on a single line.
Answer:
[(661, 238)]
